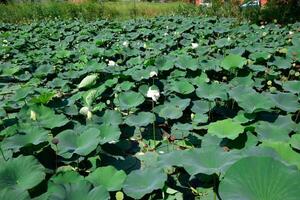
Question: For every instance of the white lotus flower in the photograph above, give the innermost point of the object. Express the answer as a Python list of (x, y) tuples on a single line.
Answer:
[(33, 115), (84, 110), (154, 94), (291, 32), (153, 73), (125, 44), (111, 63), (195, 45), (89, 115)]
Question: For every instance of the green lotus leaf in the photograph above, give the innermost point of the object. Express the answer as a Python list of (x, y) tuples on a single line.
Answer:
[(250, 100), (285, 152), (286, 101), (33, 135), (197, 161), (242, 81), (109, 133), (223, 42), (45, 117), (227, 128), (182, 87), (43, 98), (271, 132), (112, 117), (89, 97), (13, 194), (282, 63), (164, 63), (180, 130), (64, 177), (179, 103), (212, 91), (77, 191), (141, 119), (88, 81), (23, 172), (170, 112), (232, 61), (260, 56), (254, 178), (141, 182), (126, 85), (295, 141), (129, 100), (201, 106), (292, 86), (82, 144), (109, 177), (187, 62)]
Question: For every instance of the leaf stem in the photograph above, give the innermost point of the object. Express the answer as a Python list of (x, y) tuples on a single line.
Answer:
[(3, 154), (153, 131), (297, 116)]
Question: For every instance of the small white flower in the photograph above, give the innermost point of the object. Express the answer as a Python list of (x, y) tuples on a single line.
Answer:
[(125, 44), (262, 26), (111, 63), (161, 152), (264, 34), (145, 45), (195, 45), (5, 41), (154, 94), (153, 73), (33, 115), (165, 34), (228, 38), (291, 32)]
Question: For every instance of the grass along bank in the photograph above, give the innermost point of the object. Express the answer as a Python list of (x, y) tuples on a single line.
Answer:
[(24, 12)]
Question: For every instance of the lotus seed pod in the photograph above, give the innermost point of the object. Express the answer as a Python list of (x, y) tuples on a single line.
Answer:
[(273, 89), (119, 195), (292, 72), (33, 115), (55, 141), (269, 83)]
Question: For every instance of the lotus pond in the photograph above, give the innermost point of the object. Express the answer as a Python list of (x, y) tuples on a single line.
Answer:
[(167, 108)]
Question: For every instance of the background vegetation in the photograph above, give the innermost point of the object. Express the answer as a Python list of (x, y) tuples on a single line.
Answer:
[(283, 11)]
